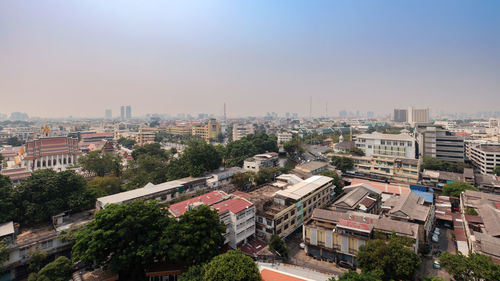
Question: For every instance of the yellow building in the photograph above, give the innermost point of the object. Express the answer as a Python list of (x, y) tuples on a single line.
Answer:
[(209, 131)]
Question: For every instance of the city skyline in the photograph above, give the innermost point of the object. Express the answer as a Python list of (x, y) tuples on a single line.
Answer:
[(77, 59)]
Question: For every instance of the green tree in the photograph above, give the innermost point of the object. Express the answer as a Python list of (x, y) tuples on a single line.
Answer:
[(474, 267), (238, 151), (234, 266), (152, 149), (196, 238), (4, 252), (7, 205), (354, 276), (392, 259), (356, 151), (123, 237), (265, 175), (336, 181), (432, 163), (46, 193), (194, 273), (455, 188), (145, 169), (128, 143), (102, 186), (101, 163), (433, 278), (496, 171), (243, 181), (36, 259), (277, 245), (61, 269), (198, 157), (14, 141), (343, 163)]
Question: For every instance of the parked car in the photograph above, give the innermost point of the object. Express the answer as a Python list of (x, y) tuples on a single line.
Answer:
[(437, 231), (435, 238), (436, 264), (347, 265)]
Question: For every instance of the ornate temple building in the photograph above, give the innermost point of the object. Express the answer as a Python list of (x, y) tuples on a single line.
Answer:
[(51, 152)]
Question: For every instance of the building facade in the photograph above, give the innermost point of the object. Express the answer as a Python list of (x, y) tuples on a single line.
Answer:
[(240, 131), (265, 160), (484, 157), (400, 115), (284, 137), (437, 142), (401, 145)]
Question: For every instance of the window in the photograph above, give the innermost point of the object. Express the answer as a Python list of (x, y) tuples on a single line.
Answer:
[(382, 142), (260, 219), (292, 213), (286, 217)]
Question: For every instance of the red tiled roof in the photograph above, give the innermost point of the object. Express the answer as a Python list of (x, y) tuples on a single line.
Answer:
[(252, 246), (234, 205), (178, 209), (367, 202), (270, 275), (497, 205), (355, 225)]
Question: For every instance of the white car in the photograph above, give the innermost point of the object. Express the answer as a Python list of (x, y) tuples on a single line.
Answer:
[(435, 238), (437, 231)]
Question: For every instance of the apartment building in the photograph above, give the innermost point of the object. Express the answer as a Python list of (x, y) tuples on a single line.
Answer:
[(238, 214), (336, 236), (163, 192), (284, 137), (265, 160), (416, 116), (146, 135), (282, 211), (223, 177), (209, 131), (242, 130), (401, 145), (437, 142), (484, 157)]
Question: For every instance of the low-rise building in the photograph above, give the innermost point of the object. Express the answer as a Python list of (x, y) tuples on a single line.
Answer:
[(22, 241), (242, 130), (310, 169), (265, 160), (481, 218), (163, 192), (223, 177), (336, 236), (282, 211), (488, 183), (238, 214), (95, 137), (359, 197), (411, 208), (284, 137), (401, 145), (438, 179)]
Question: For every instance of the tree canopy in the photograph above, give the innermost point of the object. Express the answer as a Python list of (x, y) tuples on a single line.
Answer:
[(354, 276), (43, 194), (145, 169), (61, 269), (432, 163), (357, 151), (336, 181), (277, 245), (496, 171), (234, 266), (128, 143), (100, 163), (343, 163), (152, 149), (475, 267), (390, 260), (238, 151), (4, 252), (102, 186), (455, 188)]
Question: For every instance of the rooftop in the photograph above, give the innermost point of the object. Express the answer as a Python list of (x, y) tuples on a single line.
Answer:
[(383, 187), (376, 135), (211, 198), (490, 148), (234, 205), (311, 166), (305, 187), (409, 206), (6, 229), (356, 194)]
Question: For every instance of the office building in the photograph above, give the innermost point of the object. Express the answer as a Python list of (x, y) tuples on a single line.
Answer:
[(108, 114), (485, 157), (417, 116), (401, 145), (240, 131), (122, 112), (128, 112), (209, 131), (400, 115), (437, 142)]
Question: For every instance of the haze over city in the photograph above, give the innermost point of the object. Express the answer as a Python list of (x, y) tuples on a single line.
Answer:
[(62, 58)]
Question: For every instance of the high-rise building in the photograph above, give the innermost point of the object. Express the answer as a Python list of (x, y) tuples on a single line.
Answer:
[(129, 112), (122, 112), (400, 115), (108, 114), (415, 116)]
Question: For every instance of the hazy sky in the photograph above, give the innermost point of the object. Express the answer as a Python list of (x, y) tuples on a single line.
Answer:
[(60, 58)]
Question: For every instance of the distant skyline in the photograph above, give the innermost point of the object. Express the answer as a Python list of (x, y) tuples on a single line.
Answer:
[(78, 58)]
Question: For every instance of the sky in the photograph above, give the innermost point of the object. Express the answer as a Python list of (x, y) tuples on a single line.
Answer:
[(62, 58)]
